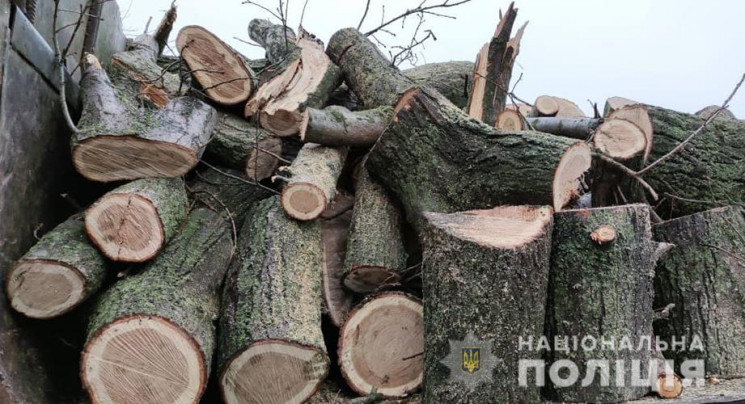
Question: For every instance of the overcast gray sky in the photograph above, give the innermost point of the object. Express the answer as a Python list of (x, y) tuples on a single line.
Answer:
[(680, 54)]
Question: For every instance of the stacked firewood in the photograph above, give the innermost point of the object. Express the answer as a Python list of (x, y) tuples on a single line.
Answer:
[(338, 189)]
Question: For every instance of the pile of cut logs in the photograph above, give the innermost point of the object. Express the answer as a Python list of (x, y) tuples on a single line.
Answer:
[(349, 219)]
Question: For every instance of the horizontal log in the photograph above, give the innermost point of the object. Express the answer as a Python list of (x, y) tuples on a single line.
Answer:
[(338, 126)]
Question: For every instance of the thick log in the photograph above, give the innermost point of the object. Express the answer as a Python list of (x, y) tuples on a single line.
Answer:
[(119, 141), (481, 166), (706, 112), (620, 139), (271, 345), (58, 273), (614, 103), (311, 180), (703, 278), (381, 345), (243, 145), (524, 109), (338, 126), (219, 69), (547, 105), (603, 290), (493, 70), (375, 250), (575, 128), (334, 234), (133, 222), (497, 295), (510, 120), (277, 40), (451, 79), (152, 335)]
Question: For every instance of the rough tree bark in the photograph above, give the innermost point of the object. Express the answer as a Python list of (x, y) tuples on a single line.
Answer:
[(334, 234), (451, 79), (575, 128), (485, 275), (219, 69), (477, 166), (277, 40), (62, 270), (271, 324), (133, 222), (338, 126), (375, 250), (703, 277), (601, 286), (381, 345), (311, 180), (162, 319)]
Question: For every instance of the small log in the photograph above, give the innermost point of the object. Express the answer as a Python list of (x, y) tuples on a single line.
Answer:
[(335, 222), (133, 222), (476, 166), (391, 323), (510, 120), (152, 335), (311, 180), (666, 384), (524, 109), (219, 69), (638, 115), (271, 345), (614, 103), (451, 79), (117, 141), (545, 105), (164, 28), (375, 250), (612, 283), (242, 145), (702, 276), (620, 139), (575, 128), (493, 70), (706, 112), (277, 40), (338, 126), (485, 273), (58, 273)]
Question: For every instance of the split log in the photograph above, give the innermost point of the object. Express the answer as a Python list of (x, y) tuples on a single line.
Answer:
[(613, 283), (706, 112), (575, 128), (118, 141), (152, 335), (165, 27), (132, 223), (476, 166), (219, 69), (614, 103), (493, 70), (375, 250), (545, 105), (451, 79), (240, 144), (702, 276), (277, 40), (502, 261), (335, 222), (381, 345), (58, 273), (311, 180), (338, 126), (271, 345)]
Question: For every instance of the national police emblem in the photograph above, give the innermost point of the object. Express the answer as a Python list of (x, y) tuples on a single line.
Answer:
[(470, 361)]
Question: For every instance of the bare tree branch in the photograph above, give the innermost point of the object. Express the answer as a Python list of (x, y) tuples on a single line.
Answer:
[(367, 8), (421, 9), (59, 59)]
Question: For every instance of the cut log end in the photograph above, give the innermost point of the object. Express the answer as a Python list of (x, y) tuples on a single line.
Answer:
[(116, 158), (572, 166), (221, 73), (669, 388), (501, 227), (125, 227), (282, 122), (44, 289), (262, 161), (603, 235), (303, 201), (296, 373), (143, 359), (366, 279), (510, 120), (638, 115), (620, 139), (545, 106), (390, 323), (615, 103)]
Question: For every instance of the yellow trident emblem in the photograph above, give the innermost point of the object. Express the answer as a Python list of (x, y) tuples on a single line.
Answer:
[(470, 362)]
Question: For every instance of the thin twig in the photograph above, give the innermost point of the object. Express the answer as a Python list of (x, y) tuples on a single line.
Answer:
[(61, 71), (367, 8), (421, 9), (302, 14), (258, 184)]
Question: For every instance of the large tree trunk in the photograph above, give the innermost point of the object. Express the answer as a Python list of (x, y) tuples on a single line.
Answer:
[(703, 278), (62, 270), (133, 222), (220, 70), (271, 345), (311, 180), (485, 276), (375, 250), (381, 345), (240, 144), (602, 265), (476, 166), (451, 79), (119, 141), (152, 335)]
